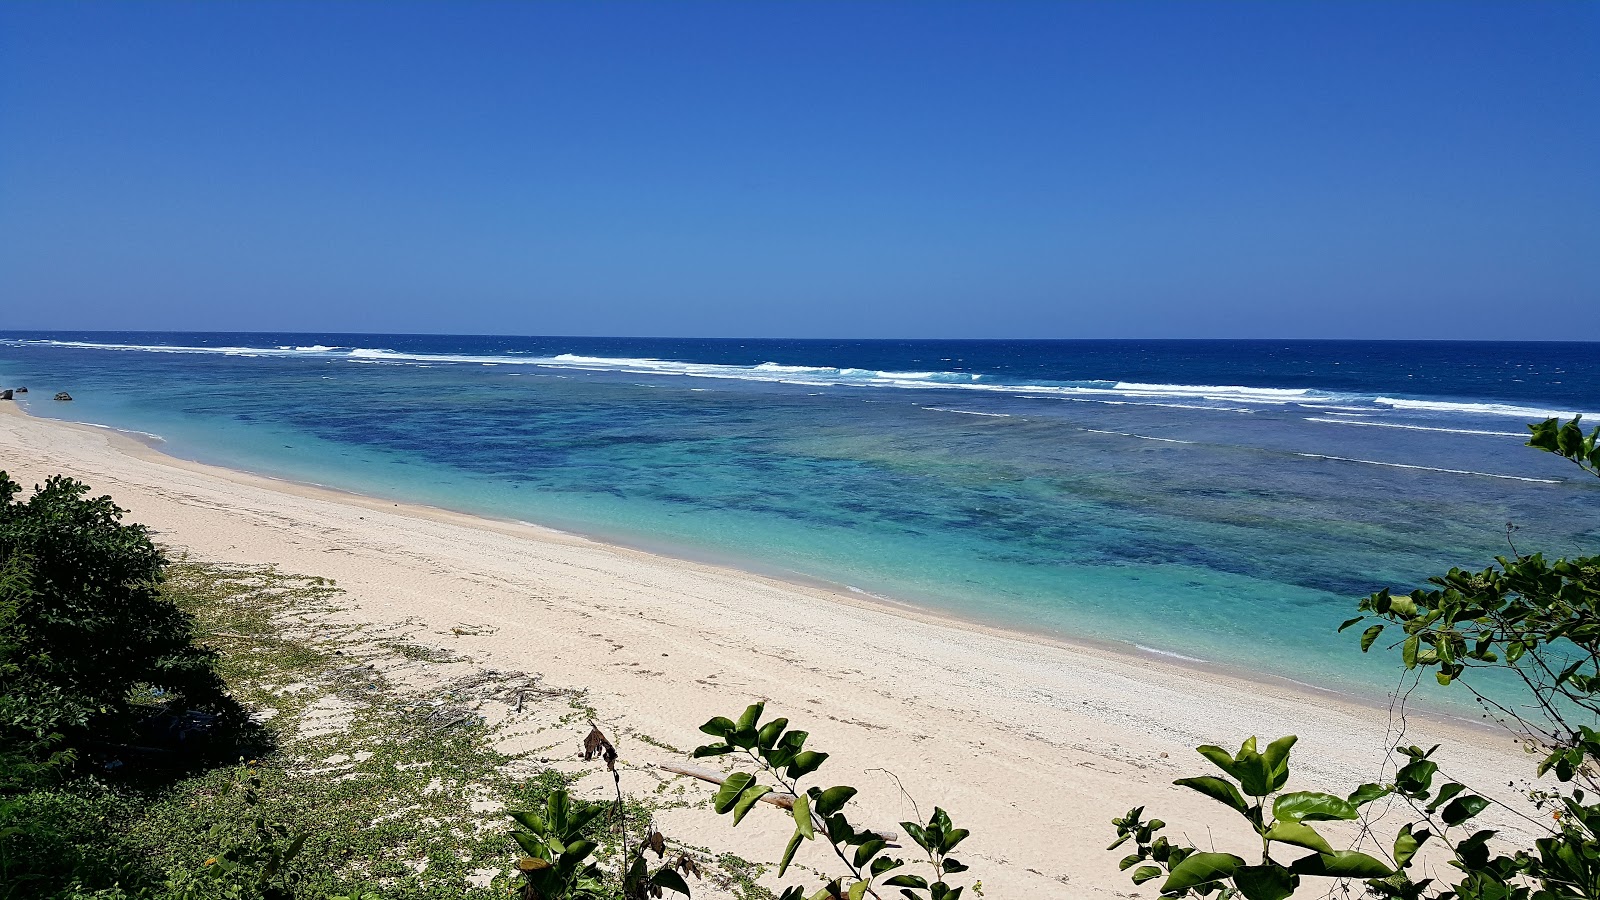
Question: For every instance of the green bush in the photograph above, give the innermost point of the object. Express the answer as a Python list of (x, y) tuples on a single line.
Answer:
[(82, 624)]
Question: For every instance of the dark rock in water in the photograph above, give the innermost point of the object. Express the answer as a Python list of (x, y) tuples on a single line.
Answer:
[(5, 394), (63, 396), (22, 390)]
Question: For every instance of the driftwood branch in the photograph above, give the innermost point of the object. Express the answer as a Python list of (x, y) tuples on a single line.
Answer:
[(776, 798)]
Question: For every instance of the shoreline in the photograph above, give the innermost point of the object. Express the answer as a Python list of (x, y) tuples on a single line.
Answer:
[(1034, 745), (149, 446)]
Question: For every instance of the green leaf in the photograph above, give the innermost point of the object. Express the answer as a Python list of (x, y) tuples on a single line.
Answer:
[(802, 817), (555, 810), (1252, 769), (833, 799), (1219, 757), (767, 737), (1341, 864), (805, 762), (747, 799), (731, 789), (1145, 873), (531, 844), (788, 852), (1544, 435), (1370, 635), (1200, 868), (1312, 806), (868, 850), (916, 882), (1463, 808), (529, 820), (884, 864), (1445, 795), (1277, 760), (1416, 776), (858, 890), (1265, 882), (712, 750), (1406, 844), (750, 716), (1408, 651), (576, 852), (1217, 789), (583, 815), (1289, 831), (1367, 793), (1348, 622), (721, 727)]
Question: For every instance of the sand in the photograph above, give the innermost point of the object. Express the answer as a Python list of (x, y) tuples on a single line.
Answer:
[(1033, 745)]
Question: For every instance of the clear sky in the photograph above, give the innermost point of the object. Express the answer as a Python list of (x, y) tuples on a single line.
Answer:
[(836, 169)]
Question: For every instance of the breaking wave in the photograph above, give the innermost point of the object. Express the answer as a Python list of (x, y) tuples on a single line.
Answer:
[(1226, 398)]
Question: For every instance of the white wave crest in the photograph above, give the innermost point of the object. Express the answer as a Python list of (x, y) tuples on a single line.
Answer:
[(968, 412), (1416, 427), (1392, 465), (1205, 397), (1482, 409)]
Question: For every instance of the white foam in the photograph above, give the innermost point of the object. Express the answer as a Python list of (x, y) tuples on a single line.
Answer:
[(968, 412), (151, 436), (1416, 427), (1168, 653), (1142, 437), (1213, 392), (1211, 398), (1373, 462), (1484, 409)]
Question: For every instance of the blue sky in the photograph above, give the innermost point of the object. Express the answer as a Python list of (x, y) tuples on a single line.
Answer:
[(822, 169)]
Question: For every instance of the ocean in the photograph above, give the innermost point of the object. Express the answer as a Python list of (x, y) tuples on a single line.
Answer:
[(1225, 502)]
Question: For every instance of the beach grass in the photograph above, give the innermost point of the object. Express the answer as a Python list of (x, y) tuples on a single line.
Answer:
[(378, 749)]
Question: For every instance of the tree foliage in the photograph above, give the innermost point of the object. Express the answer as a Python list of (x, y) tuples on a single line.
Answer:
[(82, 625), (1537, 619)]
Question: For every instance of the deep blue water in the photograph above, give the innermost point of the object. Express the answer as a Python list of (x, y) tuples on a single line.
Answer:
[(1223, 500)]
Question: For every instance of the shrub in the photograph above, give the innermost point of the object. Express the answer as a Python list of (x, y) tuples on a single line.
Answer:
[(82, 626)]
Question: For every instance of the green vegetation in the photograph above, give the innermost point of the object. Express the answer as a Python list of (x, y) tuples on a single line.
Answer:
[(84, 632), (780, 754), (1538, 620), (365, 771)]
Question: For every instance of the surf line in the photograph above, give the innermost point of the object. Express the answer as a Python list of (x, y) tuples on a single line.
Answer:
[(1415, 427), (1373, 462), (1142, 437), (968, 412)]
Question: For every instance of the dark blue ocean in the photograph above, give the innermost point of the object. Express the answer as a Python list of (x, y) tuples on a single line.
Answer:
[(1226, 501)]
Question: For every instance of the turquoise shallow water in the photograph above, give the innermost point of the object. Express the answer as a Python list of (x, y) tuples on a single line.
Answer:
[(1223, 502)]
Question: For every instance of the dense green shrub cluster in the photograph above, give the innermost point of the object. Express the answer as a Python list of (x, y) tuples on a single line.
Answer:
[(84, 631)]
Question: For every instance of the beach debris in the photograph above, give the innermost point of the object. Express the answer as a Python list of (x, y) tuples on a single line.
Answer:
[(776, 798), (597, 745), (63, 395)]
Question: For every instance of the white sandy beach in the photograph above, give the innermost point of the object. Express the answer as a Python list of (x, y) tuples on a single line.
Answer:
[(1035, 746)]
